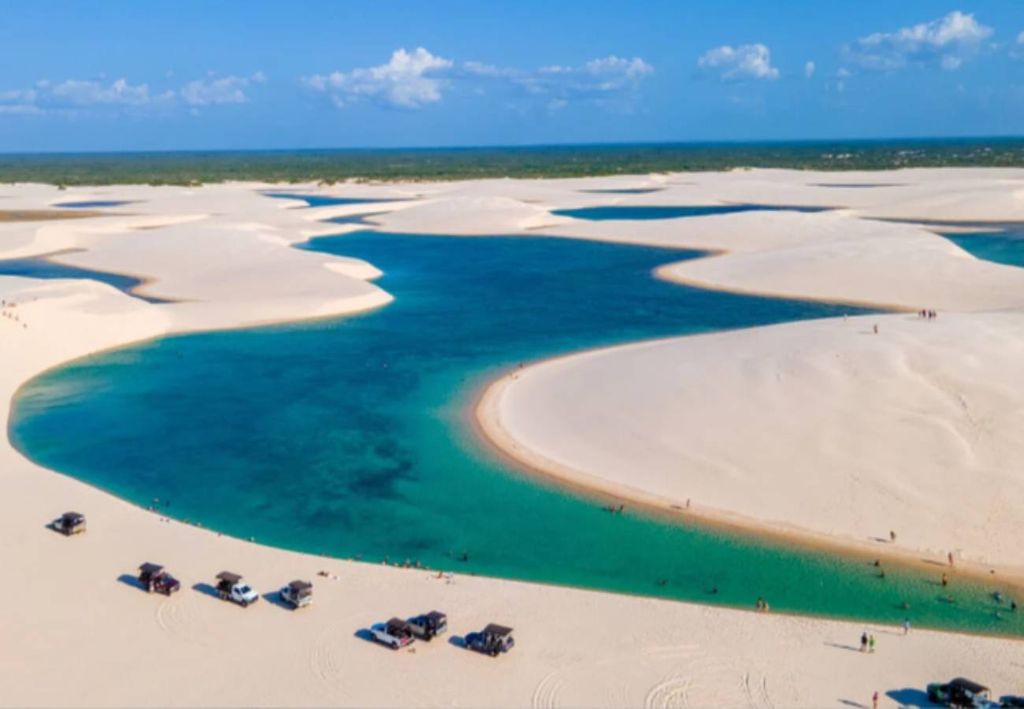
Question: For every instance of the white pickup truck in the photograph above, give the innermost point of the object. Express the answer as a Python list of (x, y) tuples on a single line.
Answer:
[(396, 633), (230, 587), (297, 594)]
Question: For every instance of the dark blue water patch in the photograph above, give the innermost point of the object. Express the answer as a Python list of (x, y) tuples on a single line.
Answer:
[(314, 200), (94, 204), (362, 219), (351, 437), (1003, 245), (45, 269), (626, 212)]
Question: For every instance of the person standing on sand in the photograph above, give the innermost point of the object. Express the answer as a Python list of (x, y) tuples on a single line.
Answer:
[(875, 328), (949, 557), (871, 643), (874, 700), (864, 642), (906, 626)]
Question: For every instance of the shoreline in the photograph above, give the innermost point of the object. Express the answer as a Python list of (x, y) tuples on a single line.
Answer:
[(664, 273), (483, 423), (639, 653), (488, 428)]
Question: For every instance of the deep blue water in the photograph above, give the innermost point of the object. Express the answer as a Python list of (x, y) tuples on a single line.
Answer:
[(351, 437), (627, 212), (1005, 244), (315, 200), (94, 204), (44, 268)]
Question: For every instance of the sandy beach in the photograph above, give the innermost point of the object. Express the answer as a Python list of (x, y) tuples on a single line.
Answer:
[(823, 429)]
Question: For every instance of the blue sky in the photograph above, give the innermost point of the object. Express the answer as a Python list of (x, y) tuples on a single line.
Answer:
[(228, 75)]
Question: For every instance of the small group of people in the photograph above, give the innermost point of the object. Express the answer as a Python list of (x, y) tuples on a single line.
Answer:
[(762, 605), (927, 314), (867, 642), (7, 310)]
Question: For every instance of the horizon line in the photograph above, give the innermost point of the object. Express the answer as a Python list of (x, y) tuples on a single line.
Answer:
[(530, 146)]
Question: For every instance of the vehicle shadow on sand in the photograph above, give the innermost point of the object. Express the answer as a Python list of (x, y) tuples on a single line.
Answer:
[(133, 581), (274, 599), (909, 697), (206, 589), (458, 641)]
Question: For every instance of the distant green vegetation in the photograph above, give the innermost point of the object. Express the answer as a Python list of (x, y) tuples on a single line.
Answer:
[(182, 168)]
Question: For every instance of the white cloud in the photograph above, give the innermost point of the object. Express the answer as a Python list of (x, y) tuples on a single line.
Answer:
[(409, 80), (809, 69), (214, 90), (596, 79), (1017, 50), (417, 79), (78, 96), (488, 70), (948, 42), (747, 61), (77, 93)]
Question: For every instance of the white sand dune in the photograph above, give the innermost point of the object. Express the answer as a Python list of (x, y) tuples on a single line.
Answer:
[(817, 426), (903, 421)]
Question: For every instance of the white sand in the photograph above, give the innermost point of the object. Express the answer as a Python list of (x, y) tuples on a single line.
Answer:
[(816, 426), (71, 634)]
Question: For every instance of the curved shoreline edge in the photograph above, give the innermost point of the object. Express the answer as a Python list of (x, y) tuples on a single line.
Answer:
[(486, 417), (488, 425)]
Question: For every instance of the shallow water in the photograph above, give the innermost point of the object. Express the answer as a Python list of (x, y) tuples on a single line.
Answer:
[(645, 212), (44, 268), (351, 437)]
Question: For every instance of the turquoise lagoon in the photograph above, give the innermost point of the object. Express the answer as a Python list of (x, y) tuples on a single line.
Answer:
[(1004, 244), (352, 437)]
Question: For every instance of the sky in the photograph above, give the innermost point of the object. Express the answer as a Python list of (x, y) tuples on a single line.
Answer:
[(118, 76)]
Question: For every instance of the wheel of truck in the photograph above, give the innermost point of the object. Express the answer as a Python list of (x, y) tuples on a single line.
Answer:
[(494, 652), (245, 603), (394, 644)]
